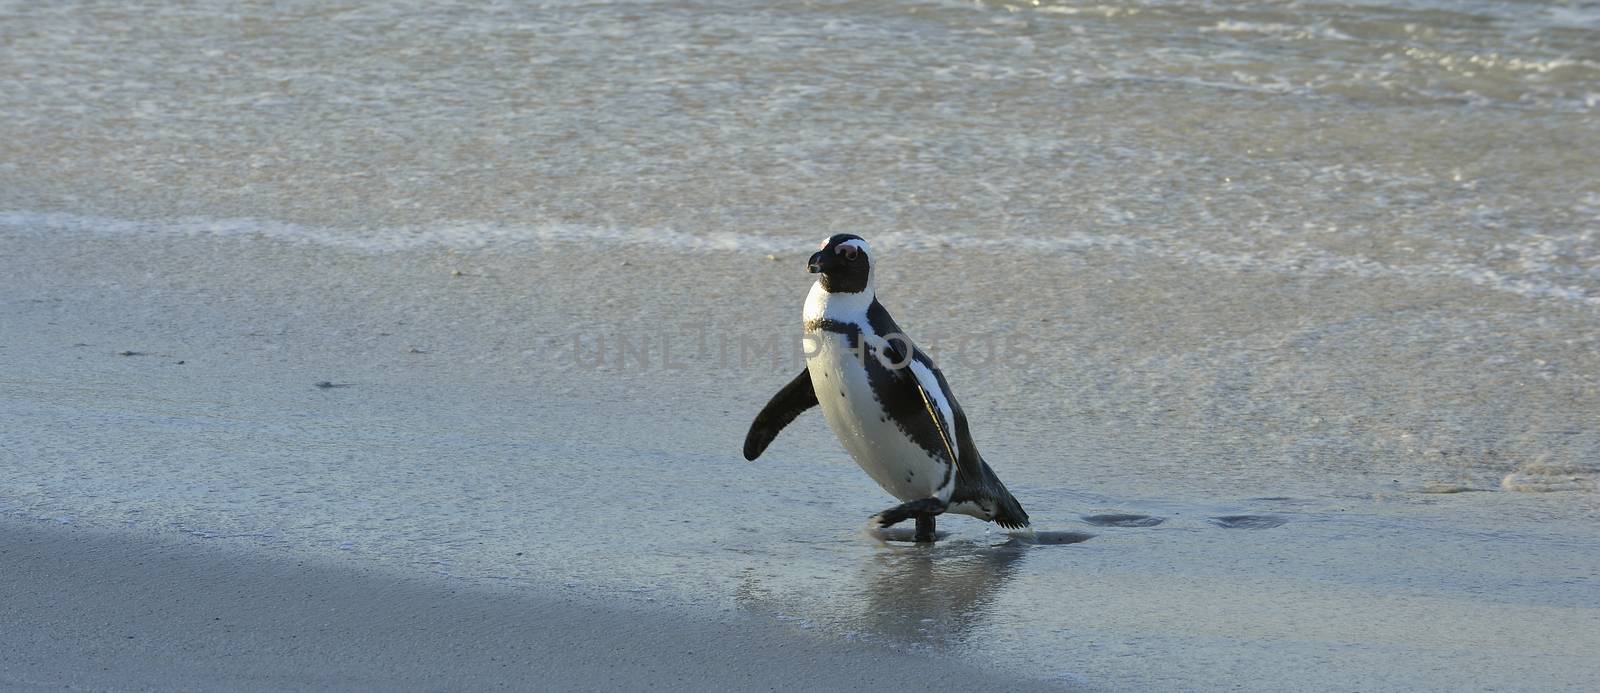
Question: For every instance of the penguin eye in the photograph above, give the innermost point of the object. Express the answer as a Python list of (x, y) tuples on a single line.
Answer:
[(848, 251)]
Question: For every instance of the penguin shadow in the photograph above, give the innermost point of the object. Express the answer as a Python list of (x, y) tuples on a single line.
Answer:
[(901, 533), (1049, 537), (935, 593), (1026, 537)]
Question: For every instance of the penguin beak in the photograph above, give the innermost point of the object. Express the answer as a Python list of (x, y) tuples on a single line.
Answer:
[(819, 262)]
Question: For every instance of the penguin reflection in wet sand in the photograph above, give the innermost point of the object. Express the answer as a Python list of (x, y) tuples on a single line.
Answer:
[(885, 400)]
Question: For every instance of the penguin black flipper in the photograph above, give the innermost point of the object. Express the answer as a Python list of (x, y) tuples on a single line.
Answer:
[(976, 482), (790, 402)]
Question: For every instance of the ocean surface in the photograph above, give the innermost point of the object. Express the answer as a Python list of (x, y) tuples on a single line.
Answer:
[(1290, 311)]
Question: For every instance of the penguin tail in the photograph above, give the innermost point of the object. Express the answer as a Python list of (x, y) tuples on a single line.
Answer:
[(1008, 512), (986, 488)]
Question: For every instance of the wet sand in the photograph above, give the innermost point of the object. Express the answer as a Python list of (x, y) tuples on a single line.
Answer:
[(110, 611), (165, 390)]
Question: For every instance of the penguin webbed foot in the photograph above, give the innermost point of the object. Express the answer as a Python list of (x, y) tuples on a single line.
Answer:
[(923, 509)]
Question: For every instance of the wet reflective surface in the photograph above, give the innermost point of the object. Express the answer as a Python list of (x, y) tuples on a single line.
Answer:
[(1279, 318)]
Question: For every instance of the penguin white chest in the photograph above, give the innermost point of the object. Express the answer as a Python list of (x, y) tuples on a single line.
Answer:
[(867, 431)]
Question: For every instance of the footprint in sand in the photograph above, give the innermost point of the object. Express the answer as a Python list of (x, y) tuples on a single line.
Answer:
[(1247, 521), (1122, 520)]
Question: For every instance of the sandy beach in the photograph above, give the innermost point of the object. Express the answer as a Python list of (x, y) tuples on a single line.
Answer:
[(412, 345), (165, 403)]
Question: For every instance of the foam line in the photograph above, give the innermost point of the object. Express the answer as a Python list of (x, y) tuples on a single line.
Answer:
[(1300, 260)]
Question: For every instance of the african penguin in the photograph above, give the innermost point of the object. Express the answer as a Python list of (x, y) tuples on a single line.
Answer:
[(888, 404)]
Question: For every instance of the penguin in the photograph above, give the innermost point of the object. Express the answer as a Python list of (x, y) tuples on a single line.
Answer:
[(887, 402)]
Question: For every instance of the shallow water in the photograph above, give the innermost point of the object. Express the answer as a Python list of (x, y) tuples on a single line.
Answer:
[(1296, 306)]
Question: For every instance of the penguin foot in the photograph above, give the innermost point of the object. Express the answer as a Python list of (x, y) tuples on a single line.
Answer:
[(923, 509)]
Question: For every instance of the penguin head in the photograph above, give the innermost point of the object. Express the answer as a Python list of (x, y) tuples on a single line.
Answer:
[(844, 262)]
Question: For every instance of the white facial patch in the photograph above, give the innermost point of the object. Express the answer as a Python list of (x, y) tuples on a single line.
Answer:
[(859, 245), (855, 243)]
